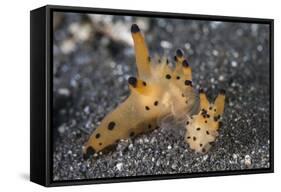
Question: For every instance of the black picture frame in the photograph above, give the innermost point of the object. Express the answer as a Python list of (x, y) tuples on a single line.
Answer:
[(41, 38)]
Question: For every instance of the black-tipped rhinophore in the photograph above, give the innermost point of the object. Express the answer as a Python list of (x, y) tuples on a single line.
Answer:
[(179, 53), (89, 152), (167, 61), (188, 83), (201, 90), (133, 81), (185, 63), (135, 28), (222, 91)]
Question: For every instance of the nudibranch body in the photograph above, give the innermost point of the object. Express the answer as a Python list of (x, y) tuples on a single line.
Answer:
[(202, 128), (157, 91)]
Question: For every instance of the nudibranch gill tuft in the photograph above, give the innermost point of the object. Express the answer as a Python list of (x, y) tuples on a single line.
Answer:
[(158, 91)]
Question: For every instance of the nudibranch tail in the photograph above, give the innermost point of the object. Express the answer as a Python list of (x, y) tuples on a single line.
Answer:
[(156, 92), (122, 123), (202, 128)]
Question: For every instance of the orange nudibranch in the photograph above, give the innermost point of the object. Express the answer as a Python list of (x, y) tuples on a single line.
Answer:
[(157, 91)]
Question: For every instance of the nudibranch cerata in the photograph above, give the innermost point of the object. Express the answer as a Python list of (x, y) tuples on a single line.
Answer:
[(159, 90)]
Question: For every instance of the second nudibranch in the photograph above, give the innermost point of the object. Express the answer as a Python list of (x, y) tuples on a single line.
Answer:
[(157, 91), (202, 128)]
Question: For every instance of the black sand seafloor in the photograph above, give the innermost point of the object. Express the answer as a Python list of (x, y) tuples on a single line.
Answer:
[(93, 58)]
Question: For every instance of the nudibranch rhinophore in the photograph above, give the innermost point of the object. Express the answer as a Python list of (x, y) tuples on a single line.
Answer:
[(157, 92)]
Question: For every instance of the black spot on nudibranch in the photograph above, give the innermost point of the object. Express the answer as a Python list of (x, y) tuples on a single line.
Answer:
[(147, 108), (100, 143), (149, 126), (156, 103), (97, 135), (216, 118), (179, 53), (206, 121), (133, 81), (168, 76), (201, 90), (207, 132), (203, 150), (111, 125), (185, 63), (135, 28), (132, 134), (178, 77), (167, 61), (198, 129), (188, 137), (194, 138), (90, 151), (144, 83), (188, 83), (187, 122), (201, 144)]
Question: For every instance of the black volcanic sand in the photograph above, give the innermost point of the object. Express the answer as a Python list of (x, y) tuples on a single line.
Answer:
[(93, 57)]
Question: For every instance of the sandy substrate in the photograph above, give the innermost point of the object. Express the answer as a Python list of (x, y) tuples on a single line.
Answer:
[(91, 67)]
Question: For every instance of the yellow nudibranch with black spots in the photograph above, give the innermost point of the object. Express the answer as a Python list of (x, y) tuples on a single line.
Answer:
[(158, 91), (202, 128)]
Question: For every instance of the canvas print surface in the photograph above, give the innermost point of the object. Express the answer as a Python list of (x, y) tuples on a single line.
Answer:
[(137, 96)]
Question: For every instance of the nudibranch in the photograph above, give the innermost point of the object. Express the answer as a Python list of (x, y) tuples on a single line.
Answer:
[(158, 91), (202, 128)]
